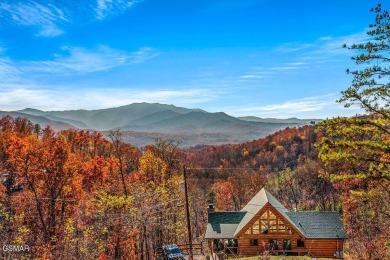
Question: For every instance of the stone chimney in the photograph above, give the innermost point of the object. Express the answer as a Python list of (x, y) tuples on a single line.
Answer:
[(211, 208)]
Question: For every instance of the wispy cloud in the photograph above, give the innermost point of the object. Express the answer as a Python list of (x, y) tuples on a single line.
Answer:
[(282, 68), (272, 71), (9, 71), (81, 60), (15, 96), (331, 46), (324, 49), (2, 49), (291, 107), (46, 98), (26, 81), (46, 17), (251, 76), (293, 47), (105, 8), (50, 18)]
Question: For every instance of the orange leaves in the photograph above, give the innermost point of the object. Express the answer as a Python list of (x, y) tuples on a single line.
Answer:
[(223, 195), (95, 173)]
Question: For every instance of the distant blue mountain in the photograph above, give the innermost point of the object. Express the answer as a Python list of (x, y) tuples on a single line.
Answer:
[(146, 121)]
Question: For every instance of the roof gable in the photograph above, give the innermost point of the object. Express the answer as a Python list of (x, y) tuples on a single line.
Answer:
[(257, 203)]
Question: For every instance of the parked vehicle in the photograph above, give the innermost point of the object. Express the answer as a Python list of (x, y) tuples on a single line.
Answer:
[(172, 252)]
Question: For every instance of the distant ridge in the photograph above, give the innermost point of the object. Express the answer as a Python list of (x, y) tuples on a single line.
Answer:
[(41, 120), (292, 120), (111, 118), (141, 123)]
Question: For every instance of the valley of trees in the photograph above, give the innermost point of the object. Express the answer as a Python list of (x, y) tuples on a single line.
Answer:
[(74, 194)]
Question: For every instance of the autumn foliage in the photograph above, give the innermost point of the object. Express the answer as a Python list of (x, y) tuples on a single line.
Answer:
[(77, 195)]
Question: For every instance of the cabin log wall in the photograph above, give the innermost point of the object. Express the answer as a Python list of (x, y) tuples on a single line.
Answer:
[(245, 247), (324, 247)]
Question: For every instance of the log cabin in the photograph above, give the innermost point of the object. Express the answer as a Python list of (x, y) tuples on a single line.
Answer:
[(264, 226)]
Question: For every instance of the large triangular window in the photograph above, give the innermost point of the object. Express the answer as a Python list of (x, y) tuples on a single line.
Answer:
[(268, 223)]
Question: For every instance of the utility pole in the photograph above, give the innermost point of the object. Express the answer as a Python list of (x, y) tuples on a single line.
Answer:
[(187, 212)]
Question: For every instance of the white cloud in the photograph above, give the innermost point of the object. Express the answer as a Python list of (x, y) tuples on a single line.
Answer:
[(325, 48), (333, 46), (81, 60), (323, 45), (9, 70), (251, 77), (18, 97), (291, 107), (120, 96), (50, 18), (105, 8), (24, 82), (281, 68), (47, 18), (297, 63), (293, 47), (2, 49), (144, 54)]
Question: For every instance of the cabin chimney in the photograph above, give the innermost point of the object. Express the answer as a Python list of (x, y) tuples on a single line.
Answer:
[(211, 208)]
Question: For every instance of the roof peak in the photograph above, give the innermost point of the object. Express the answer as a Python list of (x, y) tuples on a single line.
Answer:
[(260, 199), (257, 203)]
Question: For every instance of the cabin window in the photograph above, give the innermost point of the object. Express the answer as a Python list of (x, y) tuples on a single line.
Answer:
[(268, 224), (254, 242), (264, 223), (256, 228), (300, 243), (286, 244), (232, 243), (273, 244), (273, 226), (282, 226)]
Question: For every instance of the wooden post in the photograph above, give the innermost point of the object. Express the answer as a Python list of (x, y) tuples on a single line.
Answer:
[(188, 212)]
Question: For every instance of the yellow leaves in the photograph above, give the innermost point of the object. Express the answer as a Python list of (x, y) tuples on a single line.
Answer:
[(105, 230), (244, 152), (20, 239), (87, 232), (153, 169), (111, 203), (344, 177), (69, 227)]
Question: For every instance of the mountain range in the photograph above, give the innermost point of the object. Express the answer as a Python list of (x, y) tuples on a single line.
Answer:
[(141, 123)]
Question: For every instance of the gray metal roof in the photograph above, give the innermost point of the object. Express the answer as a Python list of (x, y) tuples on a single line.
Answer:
[(223, 224), (325, 224)]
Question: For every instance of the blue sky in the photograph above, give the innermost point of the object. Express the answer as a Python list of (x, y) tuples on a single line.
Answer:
[(266, 58)]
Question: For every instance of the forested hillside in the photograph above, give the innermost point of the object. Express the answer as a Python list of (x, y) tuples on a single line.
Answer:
[(74, 193), (77, 195)]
